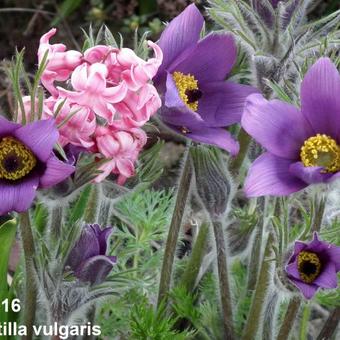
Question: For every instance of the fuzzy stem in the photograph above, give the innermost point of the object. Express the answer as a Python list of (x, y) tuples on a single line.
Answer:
[(261, 291), (244, 140), (56, 221), (222, 267), (31, 291), (330, 325), (92, 204), (304, 322), (320, 206), (289, 319), (176, 221), (256, 251), (192, 269)]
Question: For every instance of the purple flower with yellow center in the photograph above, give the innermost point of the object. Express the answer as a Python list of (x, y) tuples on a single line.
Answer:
[(88, 258), (302, 144), (314, 265), (197, 101), (27, 162)]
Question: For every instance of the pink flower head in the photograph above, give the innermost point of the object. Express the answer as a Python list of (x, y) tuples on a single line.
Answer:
[(121, 148), (91, 91), (60, 62), (77, 123)]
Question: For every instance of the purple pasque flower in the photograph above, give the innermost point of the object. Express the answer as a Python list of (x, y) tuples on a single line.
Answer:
[(27, 162), (88, 258), (302, 144), (197, 102), (314, 265)]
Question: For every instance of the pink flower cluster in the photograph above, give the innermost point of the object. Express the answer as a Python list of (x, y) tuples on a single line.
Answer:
[(105, 98)]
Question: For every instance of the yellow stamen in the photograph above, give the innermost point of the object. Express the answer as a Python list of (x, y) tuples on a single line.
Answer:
[(16, 160), (309, 266), (185, 83), (321, 150)]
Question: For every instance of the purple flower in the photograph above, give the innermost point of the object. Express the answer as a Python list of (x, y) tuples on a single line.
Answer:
[(314, 265), (88, 258), (302, 144), (197, 102), (27, 162)]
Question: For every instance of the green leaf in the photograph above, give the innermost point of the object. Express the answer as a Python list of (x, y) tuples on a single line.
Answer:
[(78, 210), (7, 236)]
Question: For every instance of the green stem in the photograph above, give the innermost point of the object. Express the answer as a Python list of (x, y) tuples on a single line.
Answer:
[(255, 256), (289, 319), (31, 290), (176, 221), (261, 291), (330, 325), (92, 204), (56, 222), (194, 264), (320, 205), (244, 140), (304, 322), (222, 267)]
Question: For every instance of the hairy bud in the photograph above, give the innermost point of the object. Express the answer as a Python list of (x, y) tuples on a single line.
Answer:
[(213, 182)]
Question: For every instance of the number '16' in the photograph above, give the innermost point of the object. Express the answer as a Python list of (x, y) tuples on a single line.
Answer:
[(14, 305)]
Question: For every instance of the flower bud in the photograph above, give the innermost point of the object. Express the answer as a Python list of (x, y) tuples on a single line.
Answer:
[(213, 182)]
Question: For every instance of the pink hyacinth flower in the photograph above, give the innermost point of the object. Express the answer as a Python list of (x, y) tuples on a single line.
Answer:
[(76, 123), (121, 148), (91, 91), (60, 62)]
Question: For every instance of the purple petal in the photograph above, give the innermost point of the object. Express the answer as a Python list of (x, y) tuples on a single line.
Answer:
[(333, 252), (182, 33), (211, 60), (39, 137), (17, 196), (277, 126), (180, 117), (86, 247), (269, 175), (308, 290), (309, 174), (172, 98), (96, 269), (222, 103), (328, 277), (317, 246), (320, 99), (7, 127), (292, 270), (103, 239), (56, 171)]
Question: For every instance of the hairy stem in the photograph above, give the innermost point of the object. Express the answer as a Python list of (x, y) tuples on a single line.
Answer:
[(192, 269), (330, 325), (320, 206), (222, 267), (260, 294), (244, 140), (175, 225), (56, 222), (304, 322), (289, 319), (30, 289)]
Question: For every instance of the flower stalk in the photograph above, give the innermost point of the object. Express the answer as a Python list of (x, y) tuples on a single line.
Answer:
[(222, 267), (261, 291), (192, 269), (30, 289), (289, 319), (176, 221), (331, 325)]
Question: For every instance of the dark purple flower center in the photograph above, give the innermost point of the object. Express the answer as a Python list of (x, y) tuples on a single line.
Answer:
[(193, 95), (309, 266), (16, 160)]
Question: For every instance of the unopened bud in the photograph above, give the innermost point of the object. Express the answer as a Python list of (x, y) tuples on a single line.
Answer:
[(213, 182)]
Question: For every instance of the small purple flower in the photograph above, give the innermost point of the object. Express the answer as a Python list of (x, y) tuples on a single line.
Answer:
[(303, 145), (27, 162), (197, 101), (314, 265), (88, 258)]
